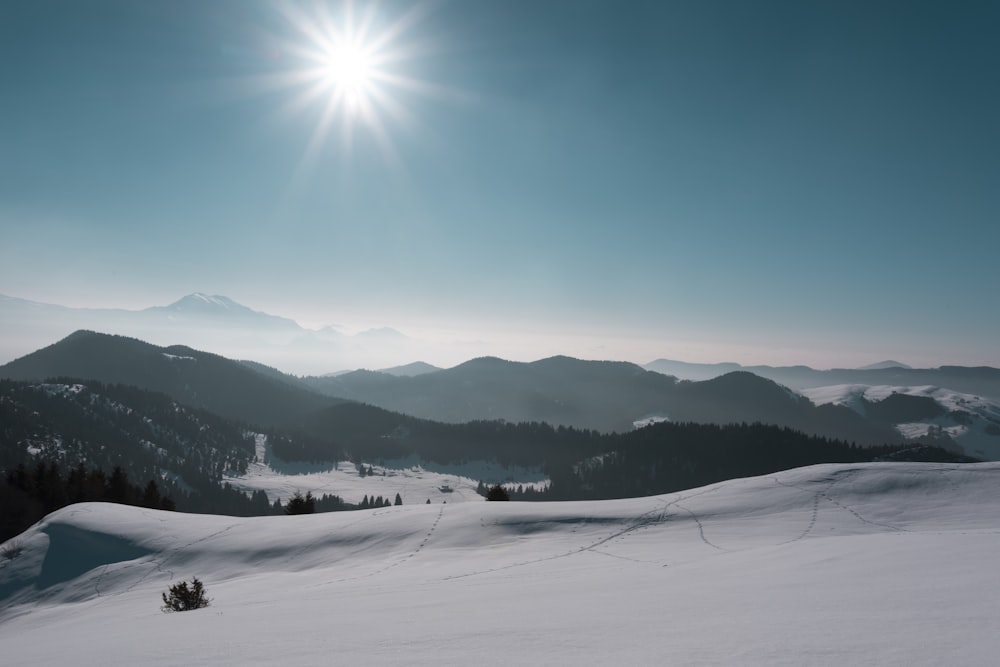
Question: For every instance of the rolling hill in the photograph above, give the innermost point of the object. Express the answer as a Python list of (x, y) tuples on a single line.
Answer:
[(885, 564)]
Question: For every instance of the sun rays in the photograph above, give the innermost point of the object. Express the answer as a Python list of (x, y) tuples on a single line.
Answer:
[(351, 66)]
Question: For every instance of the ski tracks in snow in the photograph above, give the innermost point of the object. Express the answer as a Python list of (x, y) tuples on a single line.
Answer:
[(645, 520), (153, 566), (824, 494), (396, 563)]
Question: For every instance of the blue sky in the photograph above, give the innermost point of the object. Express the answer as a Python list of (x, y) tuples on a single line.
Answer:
[(766, 182)]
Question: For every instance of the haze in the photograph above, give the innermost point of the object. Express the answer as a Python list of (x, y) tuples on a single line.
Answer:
[(714, 181)]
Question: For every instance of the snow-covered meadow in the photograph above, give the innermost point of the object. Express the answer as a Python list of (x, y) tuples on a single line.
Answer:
[(415, 481), (881, 564)]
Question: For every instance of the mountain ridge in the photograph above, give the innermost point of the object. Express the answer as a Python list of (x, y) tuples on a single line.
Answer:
[(600, 395), (984, 380), (207, 380), (605, 396)]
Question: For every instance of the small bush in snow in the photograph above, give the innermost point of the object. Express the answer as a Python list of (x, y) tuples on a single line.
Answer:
[(182, 597)]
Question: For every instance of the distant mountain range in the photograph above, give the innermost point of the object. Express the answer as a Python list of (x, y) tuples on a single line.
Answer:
[(219, 324), (603, 396), (207, 322), (600, 395), (977, 380)]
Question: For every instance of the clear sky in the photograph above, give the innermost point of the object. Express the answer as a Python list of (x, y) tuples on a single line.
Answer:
[(762, 182)]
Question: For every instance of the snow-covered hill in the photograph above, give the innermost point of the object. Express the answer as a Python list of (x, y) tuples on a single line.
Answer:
[(971, 421), (888, 564)]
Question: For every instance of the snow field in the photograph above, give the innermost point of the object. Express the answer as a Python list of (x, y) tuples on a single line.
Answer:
[(888, 564), (413, 481)]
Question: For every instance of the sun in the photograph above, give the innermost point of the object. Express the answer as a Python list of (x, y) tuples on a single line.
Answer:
[(350, 72), (349, 69)]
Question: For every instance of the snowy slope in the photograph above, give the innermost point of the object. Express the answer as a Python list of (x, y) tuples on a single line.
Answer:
[(888, 564), (971, 421)]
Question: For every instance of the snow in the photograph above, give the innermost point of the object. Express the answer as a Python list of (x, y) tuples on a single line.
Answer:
[(212, 300), (55, 389), (978, 438), (414, 481), (850, 395), (647, 421), (888, 564), (178, 357)]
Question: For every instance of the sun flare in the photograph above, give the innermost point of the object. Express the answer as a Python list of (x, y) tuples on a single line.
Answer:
[(351, 73), (349, 70)]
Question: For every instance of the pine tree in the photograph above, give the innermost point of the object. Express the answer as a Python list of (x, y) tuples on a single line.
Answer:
[(183, 598), (497, 492), (119, 489), (301, 505), (151, 495), (399, 500)]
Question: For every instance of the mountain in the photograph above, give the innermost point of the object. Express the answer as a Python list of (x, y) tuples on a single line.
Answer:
[(151, 436), (882, 365), (605, 396), (409, 370), (192, 312), (691, 371), (65, 430), (213, 323), (871, 564), (602, 395), (204, 311), (926, 412), (199, 379), (977, 380), (560, 390)]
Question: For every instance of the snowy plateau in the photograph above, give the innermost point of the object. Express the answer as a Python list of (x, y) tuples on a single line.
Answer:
[(872, 564)]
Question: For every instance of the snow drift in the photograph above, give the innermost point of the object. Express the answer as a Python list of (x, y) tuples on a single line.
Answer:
[(833, 564)]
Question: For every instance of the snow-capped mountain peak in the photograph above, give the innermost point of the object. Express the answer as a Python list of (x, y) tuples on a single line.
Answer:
[(201, 302)]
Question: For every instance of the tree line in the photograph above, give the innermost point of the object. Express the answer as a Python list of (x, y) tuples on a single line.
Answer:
[(667, 457), (27, 495)]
